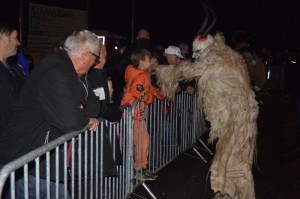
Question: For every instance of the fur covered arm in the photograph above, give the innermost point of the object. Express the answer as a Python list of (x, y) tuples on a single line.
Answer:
[(168, 76), (187, 71), (166, 80)]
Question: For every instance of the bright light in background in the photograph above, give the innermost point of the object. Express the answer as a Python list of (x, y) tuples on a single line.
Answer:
[(269, 72), (116, 47), (293, 62)]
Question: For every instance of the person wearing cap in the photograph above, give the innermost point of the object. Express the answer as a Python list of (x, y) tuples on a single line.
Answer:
[(174, 57)]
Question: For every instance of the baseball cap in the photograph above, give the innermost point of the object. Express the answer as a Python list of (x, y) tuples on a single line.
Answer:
[(173, 50)]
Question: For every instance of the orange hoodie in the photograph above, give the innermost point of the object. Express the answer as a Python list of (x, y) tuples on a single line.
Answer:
[(138, 86)]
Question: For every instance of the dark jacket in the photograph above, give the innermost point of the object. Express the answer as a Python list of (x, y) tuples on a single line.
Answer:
[(11, 82), (109, 111), (119, 63), (49, 103)]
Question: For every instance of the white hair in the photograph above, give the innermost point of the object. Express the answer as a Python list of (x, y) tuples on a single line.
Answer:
[(79, 41)]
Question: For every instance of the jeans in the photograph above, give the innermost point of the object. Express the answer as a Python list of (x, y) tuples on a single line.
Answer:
[(19, 185)]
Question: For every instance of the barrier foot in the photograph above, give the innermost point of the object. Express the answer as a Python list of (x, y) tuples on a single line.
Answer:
[(148, 190), (202, 158), (205, 146)]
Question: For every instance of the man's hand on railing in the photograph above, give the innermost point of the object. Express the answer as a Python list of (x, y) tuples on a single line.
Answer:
[(93, 124)]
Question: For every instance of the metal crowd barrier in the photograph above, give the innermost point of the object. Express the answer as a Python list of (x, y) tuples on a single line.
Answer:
[(83, 164), (173, 127), (78, 160)]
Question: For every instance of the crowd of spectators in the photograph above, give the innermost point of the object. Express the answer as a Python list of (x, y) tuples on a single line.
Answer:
[(75, 84)]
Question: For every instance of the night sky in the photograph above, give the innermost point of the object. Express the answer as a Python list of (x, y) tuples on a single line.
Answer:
[(273, 23)]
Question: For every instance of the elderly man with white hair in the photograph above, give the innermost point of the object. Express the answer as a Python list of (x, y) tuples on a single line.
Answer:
[(54, 100)]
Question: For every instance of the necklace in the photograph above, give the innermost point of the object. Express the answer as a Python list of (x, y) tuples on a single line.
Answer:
[(85, 85)]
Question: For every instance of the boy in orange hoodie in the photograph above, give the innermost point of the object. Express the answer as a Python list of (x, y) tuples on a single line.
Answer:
[(138, 86)]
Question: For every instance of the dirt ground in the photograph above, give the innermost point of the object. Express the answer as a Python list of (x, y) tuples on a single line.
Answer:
[(276, 174)]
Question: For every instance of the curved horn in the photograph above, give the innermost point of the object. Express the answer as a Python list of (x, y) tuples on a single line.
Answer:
[(251, 36), (204, 22), (214, 17)]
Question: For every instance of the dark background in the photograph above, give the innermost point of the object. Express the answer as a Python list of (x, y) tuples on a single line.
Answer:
[(272, 23)]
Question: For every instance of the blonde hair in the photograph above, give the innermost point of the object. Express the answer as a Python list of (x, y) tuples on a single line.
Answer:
[(139, 55)]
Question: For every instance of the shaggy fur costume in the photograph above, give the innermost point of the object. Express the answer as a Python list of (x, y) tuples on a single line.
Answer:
[(228, 102)]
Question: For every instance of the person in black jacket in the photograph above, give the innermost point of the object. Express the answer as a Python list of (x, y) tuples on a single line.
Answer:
[(143, 41), (108, 110), (99, 83), (11, 75), (54, 100)]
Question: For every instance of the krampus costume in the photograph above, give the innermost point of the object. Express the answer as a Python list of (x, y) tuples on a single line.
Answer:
[(228, 102)]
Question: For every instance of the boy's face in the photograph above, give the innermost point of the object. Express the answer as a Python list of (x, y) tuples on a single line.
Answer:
[(145, 64)]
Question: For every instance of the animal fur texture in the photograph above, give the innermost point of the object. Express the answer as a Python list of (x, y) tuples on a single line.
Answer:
[(228, 102)]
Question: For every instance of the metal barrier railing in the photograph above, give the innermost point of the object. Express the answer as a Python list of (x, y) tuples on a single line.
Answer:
[(77, 162), (171, 127), (84, 159)]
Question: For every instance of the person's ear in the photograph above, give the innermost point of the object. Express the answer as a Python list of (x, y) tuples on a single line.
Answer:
[(4, 38)]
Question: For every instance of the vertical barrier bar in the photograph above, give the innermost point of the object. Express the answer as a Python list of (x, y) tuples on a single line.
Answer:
[(57, 172), (80, 165), (101, 161), (91, 163), (37, 177), (73, 167), (48, 173), (85, 163), (65, 169), (26, 181), (12, 184), (97, 164)]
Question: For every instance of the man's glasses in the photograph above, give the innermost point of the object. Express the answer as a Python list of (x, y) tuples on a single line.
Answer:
[(97, 60)]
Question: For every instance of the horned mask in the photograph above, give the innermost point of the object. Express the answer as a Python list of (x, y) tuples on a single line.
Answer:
[(203, 39)]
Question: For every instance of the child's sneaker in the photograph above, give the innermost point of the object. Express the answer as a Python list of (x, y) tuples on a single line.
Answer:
[(149, 174), (144, 174)]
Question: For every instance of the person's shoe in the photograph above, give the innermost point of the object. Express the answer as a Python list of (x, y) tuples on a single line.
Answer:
[(138, 174), (149, 174), (143, 175)]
